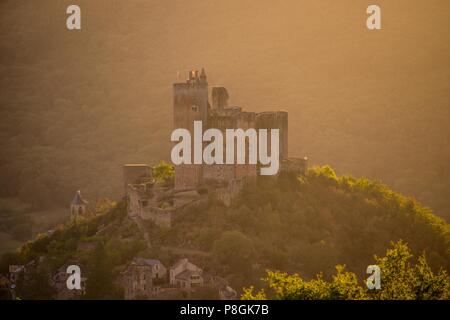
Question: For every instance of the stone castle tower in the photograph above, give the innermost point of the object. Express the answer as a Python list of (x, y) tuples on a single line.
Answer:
[(161, 202), (191, 103), (77, 206)]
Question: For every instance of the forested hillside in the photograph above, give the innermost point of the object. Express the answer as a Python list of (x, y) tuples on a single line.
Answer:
[(75, 106), (304, 225)]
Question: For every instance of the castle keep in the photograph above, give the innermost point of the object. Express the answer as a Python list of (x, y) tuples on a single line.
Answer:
[(191, 103), (160, 202)]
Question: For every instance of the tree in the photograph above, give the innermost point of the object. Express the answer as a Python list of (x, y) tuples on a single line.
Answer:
[(429, 286), (163, 171), (35, 285), (100, 283), (234, 251), (399, 280)]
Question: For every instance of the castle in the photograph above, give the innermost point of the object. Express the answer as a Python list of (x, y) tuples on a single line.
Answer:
[(157, 202), (191, 103)]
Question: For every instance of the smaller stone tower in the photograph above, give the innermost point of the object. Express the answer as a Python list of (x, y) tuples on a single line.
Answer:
[(219, 98), (77, 206)]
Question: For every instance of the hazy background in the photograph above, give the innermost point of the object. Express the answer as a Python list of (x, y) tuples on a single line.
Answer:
[(76, 105)]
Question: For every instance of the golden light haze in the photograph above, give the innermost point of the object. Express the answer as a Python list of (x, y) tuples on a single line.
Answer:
[(75, 105)]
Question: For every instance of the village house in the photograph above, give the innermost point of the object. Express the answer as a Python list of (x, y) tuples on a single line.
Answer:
[(20, 273), (17, 272), (186, 275), (141, 278)]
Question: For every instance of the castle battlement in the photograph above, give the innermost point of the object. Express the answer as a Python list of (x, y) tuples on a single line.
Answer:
[(191, 103)]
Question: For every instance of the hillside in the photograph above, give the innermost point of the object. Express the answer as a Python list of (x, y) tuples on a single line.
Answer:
[(295, 224), (75, 106)]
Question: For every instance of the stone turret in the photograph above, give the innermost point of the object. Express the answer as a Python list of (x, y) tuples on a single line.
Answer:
[(190, 103), (219, 97), (203, 77)]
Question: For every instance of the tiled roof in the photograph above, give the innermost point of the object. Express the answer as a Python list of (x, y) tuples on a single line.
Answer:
[(149, 262), (180, 262), (186, 275)]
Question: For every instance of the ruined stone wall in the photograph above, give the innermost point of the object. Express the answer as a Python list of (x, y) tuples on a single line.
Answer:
[(219, 172), (231, 191), (144, 203), (245, 171), (163, 217), (297, 166), (133, 205), (136, 173), (188, 176), (222, 121), (160, 217)]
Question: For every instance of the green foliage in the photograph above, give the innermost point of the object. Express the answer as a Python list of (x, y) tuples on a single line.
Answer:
[(249, 294), (298, 224), (402, 280), (163, 171), (35, 285), (325, 172), (309, 224), (399, 280), (344, 286), (101, 279), (235, 251), (58, 247), (120, 252)]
